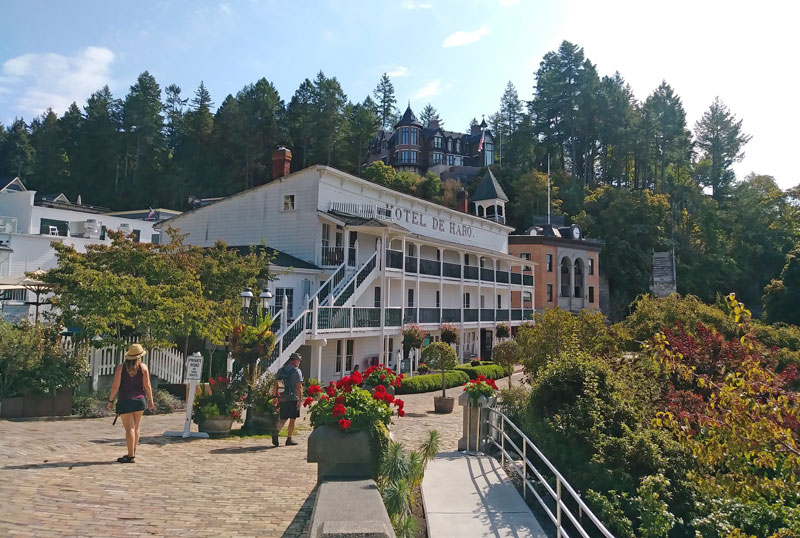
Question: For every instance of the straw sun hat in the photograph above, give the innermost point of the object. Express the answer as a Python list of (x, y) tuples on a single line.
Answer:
[(135, 350)]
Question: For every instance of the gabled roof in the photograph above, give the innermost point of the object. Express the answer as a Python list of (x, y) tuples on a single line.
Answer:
[(281, 259), (489, 189), (12, 185), (408, 119)]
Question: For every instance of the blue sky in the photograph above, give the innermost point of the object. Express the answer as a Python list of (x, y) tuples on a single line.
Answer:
[(456, 54)]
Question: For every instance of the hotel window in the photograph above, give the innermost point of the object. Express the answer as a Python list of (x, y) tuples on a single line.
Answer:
[(438, 299), (450, 160), (449, 144), (414, 136), (404, 135), (526, 297), (437, 142), (405, 156), (483, 301), (458, 146), (326, 233), (410, 303), (280, 293), (549, 263), (499, 302), (413, 156), (15, 296), (348, 359), (466, 300), (437, 158), (488, 150), (526, 256), (377, 297), (591, 294), (338, 367), (53, 227), (458, 161), (288, 202), (549, 293), (591, 266)]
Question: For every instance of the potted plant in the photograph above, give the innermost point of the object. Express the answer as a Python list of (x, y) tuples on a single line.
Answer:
[(215, 409), (263, 404), (507, 354), (502, 331), (423, 368), (477, 396), (348, 421), (380, 376), (413, 337), (442, 357), (449, 333), (480, 390)]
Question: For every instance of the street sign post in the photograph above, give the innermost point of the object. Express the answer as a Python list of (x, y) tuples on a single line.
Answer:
[(194, 373)]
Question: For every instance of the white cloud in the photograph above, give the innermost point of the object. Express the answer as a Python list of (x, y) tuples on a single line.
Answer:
[(225, 7), (430, 89), (421, 5), (49, 80), (399, 71), (465, 38)]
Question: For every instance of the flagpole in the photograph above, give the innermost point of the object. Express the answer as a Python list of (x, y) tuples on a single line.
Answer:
[(548, 188)]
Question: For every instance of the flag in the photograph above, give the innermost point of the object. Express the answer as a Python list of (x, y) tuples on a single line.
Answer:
[(480, 143), (151, 214)]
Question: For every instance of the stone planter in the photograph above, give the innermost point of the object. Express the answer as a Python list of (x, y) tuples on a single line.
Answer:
[(473, 416), (33, 405), (216, 427), (340, 454), (443, 404), (262, 423)]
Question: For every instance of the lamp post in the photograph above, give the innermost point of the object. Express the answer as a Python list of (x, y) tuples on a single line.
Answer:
[(247, 301)]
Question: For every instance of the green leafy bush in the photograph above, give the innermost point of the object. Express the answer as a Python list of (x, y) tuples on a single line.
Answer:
[(491, 371), (431, 382), (164, 403), (513, 402), (91, 404)]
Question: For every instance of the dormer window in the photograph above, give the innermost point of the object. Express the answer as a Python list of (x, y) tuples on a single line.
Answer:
[(458, 146), (437, 142), (449, 144)]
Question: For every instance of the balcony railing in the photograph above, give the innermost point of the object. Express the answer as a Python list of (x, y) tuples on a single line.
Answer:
[(487, 275), (502, 277), (366, 318), (516, 278), (394, 259), (470, 272), (527, 280), (332, 255), (411, 264), (501, 315), (451, 315), (487, 314), (470, 315), (393, 317), (332, 317), (428, 267), (516, 314), (409, 315), (429, 315), (451, 270)]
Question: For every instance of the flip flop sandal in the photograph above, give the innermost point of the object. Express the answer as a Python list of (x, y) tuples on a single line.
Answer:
[(126, 459)]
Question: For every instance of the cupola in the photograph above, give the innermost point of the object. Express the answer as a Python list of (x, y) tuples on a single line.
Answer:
[(489, 200)]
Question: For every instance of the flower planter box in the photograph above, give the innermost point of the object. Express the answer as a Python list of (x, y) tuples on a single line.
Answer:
[(216, 427), (261, 423), (340, 454), (32, 405), (443, 404), (473, 416)]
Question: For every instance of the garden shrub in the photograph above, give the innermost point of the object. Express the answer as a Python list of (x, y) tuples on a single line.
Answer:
[(164, 403), (490, 371), (514, 401), (431, 382), (91, 404)]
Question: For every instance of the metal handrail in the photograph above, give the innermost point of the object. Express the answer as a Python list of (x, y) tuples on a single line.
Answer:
[(561, 484), (329, 286)]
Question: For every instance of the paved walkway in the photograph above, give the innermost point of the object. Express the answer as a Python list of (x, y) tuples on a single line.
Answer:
[(471, 497), (60, 478)]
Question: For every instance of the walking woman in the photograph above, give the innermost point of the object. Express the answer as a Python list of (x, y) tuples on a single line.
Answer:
[(132, 380)]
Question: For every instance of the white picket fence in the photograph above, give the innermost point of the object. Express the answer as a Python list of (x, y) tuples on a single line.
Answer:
[(166, 364)]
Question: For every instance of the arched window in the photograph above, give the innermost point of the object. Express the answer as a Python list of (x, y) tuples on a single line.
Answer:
[(578, 278), (481, 211), (565, 284)]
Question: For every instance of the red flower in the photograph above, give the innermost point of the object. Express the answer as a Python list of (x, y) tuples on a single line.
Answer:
[(308, 401), (399, 403), (323, 397), (383, 376), (380, 388), (377, 395), (212, 381), (344, 423), (339, 410), (356, 378), (400, 376), (331, 390), (313, 389), (401, 413), (388, 398), (235, 414), (339, 399)]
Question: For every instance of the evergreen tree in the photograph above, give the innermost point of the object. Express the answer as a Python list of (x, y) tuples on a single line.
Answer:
[(51, 172), (616, 111), (328, 118), (782, 295), (19, 157), (300, 123), (173, 110), (668, 140), (98, 160), (428, 114), (431, 188), (720, 139), (511, 110), (199, 173), (258, 130), (362, 124), (385, 101)]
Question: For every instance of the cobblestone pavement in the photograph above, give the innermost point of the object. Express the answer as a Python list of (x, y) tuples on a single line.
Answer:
[(60, 478)]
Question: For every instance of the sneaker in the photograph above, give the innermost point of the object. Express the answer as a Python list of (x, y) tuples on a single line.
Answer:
[(289, 442), (275, 438)]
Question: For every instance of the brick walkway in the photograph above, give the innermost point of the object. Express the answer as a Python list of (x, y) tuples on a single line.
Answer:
[(60, 478)]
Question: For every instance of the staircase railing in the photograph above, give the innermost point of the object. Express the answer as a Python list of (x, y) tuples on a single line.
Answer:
[(287, 337), (329, 286), (359, 279)]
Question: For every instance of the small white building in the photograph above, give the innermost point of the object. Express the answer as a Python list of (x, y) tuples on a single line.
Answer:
[(29, 222), (368, 261)]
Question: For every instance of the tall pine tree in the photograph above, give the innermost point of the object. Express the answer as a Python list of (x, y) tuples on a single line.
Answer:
[(385, 102), (720, 139)]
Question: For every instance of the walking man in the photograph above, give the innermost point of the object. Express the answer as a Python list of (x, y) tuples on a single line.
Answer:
[(292, 379)]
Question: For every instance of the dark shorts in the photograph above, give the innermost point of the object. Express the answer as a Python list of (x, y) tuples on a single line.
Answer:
[(130, 406), (289, 410)]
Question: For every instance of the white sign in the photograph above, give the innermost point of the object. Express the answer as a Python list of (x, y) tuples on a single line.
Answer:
[(194, 367)]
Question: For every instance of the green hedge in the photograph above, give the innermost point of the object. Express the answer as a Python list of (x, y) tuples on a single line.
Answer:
[(491, 371), (431, 382), (506, 371)]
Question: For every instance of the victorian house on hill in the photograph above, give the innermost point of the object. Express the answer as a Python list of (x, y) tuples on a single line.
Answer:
[(417, 148)]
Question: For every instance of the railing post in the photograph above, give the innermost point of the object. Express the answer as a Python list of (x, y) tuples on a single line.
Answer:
[(524, 469), (558, 507), (285, 313), (503, 441), (314, 316)]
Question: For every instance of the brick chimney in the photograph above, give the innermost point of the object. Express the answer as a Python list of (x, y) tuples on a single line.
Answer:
[(433, 124), (281, 162), (462, 202)]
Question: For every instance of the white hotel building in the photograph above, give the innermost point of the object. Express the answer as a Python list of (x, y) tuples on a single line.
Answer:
[(358, 261)]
